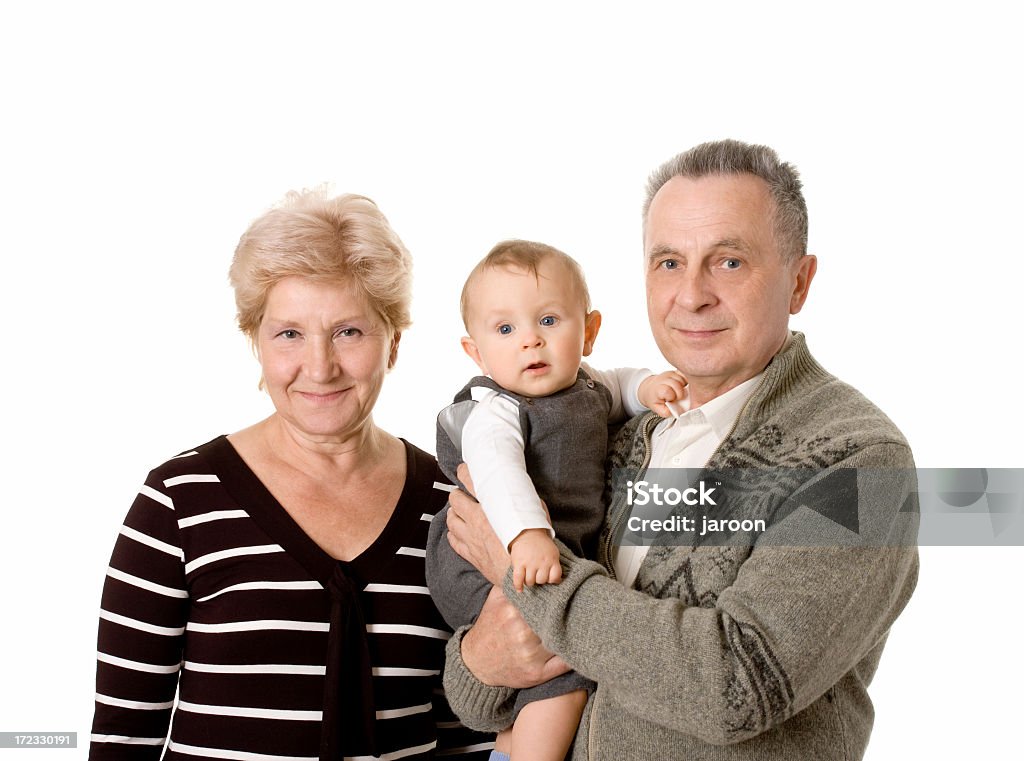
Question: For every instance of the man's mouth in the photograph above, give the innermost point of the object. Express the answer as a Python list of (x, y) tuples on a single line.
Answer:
[(700, 332)]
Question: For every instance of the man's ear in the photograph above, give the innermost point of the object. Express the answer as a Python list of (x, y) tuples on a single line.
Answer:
[(805, 270), (592, 324), (393, 357), (469, 346)]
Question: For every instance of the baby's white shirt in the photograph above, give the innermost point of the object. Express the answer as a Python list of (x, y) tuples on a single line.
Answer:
[(494, 449)]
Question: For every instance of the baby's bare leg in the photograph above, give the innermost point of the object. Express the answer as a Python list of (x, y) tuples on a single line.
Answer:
[(544, 729), (503, 741)]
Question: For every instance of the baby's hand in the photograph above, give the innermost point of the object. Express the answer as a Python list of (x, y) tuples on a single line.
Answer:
[(657, 391), (534, 559)]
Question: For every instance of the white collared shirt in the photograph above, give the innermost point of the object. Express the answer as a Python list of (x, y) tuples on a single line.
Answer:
[(687, 442)]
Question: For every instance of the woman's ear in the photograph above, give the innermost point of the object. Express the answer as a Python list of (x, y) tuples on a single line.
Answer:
[(393, 357)]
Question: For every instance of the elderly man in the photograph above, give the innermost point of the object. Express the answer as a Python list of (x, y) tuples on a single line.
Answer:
[(709, 650)]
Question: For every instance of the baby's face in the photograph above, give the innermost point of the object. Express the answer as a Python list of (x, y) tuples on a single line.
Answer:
[(528, 333)]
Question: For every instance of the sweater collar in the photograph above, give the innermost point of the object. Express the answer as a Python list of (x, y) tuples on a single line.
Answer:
[(791, 373)]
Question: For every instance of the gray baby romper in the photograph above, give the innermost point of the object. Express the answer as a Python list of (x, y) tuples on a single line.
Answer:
[(566, 438)]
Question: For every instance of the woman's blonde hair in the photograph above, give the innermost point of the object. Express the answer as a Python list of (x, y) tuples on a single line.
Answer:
[(308, 235)]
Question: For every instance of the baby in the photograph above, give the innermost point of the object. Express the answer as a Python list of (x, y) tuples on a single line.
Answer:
[(536, 427)]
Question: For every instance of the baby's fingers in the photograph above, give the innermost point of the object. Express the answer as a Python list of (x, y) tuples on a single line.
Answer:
[(555, 576), (671, 390), (518, 577)]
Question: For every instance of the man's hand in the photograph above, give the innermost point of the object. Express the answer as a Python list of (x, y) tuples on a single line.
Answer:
[(471, 535), (534, 559), (657, 392), (501, 649)]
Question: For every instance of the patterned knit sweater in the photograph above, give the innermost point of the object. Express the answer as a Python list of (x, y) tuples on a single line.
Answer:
[(762, 651)]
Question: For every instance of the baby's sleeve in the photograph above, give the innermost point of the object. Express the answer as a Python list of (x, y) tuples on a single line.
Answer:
[(494, 450), (624, 385)]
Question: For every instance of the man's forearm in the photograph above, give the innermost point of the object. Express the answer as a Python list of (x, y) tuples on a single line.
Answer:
[(479, 706), (501, 649), (804, 616), (488, 662)]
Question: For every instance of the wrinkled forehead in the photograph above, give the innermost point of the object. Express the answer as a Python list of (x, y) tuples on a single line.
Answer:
[(727, 207)]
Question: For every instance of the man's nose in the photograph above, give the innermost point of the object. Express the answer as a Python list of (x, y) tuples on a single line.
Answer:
[(694, 290)]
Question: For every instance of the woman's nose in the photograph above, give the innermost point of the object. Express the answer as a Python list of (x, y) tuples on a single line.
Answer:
[(320, 361)]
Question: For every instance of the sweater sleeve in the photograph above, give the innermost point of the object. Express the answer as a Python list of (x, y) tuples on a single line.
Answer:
[(455, 740), (480, 706), (493, 447), (795, 620), (141, 630)]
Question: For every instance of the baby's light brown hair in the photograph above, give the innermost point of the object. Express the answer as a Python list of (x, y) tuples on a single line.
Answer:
[(526, 255)]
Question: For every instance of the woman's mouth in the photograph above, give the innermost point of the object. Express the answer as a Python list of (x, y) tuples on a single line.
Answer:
[(321, 397)]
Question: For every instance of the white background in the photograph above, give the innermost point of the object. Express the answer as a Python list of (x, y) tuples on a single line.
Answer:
[(138, 142)]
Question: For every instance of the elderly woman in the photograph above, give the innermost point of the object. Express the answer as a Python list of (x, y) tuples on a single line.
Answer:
[(274, 577)]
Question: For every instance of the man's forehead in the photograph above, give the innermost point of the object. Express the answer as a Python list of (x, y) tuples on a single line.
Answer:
[(736, 244), (722, 209), (715, 190)]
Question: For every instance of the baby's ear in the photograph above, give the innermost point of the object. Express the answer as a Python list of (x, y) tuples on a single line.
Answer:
[(591, 325), (469, 346)]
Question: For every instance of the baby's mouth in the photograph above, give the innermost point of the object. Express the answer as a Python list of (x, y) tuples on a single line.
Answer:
[(537, 366)]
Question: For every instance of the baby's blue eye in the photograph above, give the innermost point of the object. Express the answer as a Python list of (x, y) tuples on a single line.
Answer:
[(505, 329), (548, 320)]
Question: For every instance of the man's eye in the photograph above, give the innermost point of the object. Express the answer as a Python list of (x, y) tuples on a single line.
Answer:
[(731, 264), (505, 329), (548, 320), (670, 264)]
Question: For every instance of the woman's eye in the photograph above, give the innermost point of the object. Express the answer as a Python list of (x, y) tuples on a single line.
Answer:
[(548, 320), (349, 332), (289, 334), (505, 329)]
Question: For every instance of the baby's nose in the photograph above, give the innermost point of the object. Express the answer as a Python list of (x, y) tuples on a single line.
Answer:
[(531, 339)]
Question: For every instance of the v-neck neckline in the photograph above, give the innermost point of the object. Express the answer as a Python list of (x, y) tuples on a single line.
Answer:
[(256, 499)]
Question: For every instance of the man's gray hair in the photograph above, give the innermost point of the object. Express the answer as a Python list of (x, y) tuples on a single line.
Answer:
[(736, 157)]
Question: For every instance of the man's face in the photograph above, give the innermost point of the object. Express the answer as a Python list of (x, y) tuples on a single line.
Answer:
[(719, 293)]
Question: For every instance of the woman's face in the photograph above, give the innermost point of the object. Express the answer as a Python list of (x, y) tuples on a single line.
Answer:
[(324, 352)]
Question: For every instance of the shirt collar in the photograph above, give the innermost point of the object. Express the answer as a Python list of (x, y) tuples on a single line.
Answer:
[(722, 411), (719, 413)]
